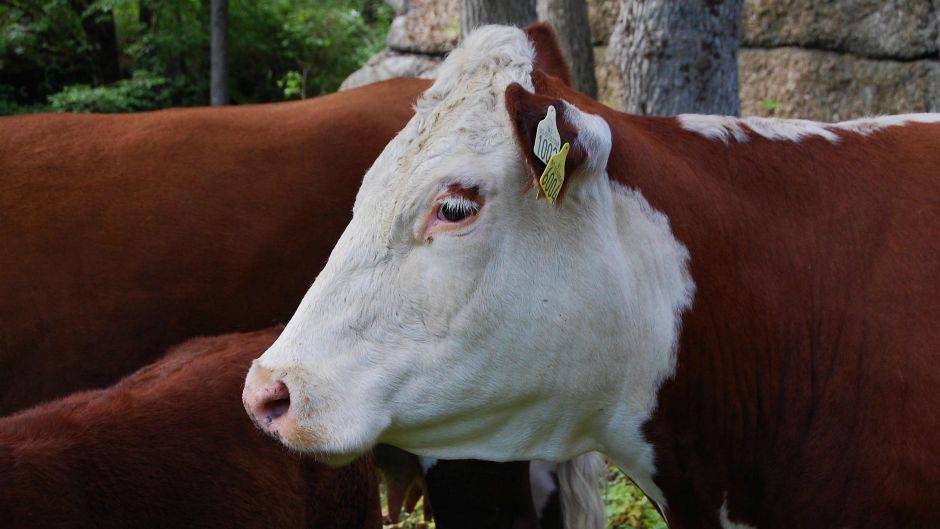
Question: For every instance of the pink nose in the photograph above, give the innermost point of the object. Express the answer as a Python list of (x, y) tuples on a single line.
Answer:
[(267, 404)]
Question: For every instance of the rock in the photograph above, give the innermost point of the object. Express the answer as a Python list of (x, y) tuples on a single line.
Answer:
[(428, 27), (388, 64), (602, 15), (399, 6), (903, 29), (828, 86), (609, 84), (419, 37)]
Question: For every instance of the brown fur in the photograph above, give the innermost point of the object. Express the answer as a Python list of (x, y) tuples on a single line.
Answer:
[(807, 379), (549, 58), (125, 234), (171, 446)]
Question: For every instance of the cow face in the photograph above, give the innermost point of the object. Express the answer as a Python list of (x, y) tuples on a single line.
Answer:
[(460, 317)]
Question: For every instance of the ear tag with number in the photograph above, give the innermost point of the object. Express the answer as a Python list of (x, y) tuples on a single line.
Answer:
[(553, 177), (547, 139), (547, 144)]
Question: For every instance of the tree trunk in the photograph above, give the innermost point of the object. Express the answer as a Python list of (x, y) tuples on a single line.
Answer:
[(145, 15), (98, 27), (570, 19), (677, 57), (218, 79), (476, 13)]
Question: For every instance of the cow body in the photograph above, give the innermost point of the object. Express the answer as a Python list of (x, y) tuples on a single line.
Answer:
[(126, 234), (740, 313), (806, 364), (170, 446)]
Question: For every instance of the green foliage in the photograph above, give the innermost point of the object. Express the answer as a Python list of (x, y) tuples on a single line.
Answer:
[(627, 506), (41, 49), (770, 105), (331, 40), (143, 91), (292, 84), (278, 49), (453, 28)]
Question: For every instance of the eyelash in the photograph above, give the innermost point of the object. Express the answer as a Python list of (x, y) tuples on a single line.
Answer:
[(457, 206)]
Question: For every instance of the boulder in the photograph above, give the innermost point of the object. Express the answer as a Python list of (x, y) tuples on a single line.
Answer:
[(399, 6), (390, 63), (427, 26)]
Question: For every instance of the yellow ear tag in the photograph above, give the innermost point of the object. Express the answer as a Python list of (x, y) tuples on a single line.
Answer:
[(553, 177)]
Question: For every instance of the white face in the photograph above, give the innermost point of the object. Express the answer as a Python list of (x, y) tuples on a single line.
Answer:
[(458, 316)]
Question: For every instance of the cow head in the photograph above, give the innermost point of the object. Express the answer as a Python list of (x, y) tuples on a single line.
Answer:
[(458, 316)]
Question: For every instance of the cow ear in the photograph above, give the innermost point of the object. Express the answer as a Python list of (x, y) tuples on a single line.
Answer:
[(587, 136), (548, 55)]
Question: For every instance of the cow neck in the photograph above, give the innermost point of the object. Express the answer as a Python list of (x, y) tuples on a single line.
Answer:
[(685, 178), (767, 418)]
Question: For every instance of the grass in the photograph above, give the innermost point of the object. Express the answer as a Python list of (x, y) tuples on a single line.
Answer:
[(627, 506)]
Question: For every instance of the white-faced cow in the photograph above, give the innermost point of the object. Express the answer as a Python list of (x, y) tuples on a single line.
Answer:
[(742, 313)]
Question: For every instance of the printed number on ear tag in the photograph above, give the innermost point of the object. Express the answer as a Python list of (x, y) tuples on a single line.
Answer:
[(553, 177), (547, 139)]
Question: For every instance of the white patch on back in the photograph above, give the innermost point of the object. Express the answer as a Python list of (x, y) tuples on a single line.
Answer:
[(866, 126), (724, 128), (728, 524)]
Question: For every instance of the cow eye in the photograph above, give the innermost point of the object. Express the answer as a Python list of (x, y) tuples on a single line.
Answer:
[(455, 208)]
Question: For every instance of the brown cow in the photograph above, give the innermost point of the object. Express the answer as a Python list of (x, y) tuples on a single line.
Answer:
[(125, 234), (170, 446)]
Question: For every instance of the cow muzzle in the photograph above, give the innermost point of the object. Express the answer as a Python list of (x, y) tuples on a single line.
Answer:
[(268, 403), (309, 412)]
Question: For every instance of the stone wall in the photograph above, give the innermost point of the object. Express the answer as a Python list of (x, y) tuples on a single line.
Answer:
[(816, 59), (835, 60)]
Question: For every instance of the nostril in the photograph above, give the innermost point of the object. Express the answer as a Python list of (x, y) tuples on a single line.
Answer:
[(276, 404), (276, 408)]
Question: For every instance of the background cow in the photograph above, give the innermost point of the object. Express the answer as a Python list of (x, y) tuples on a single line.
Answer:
[(170, 446), (126, 234), (741, 313)]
